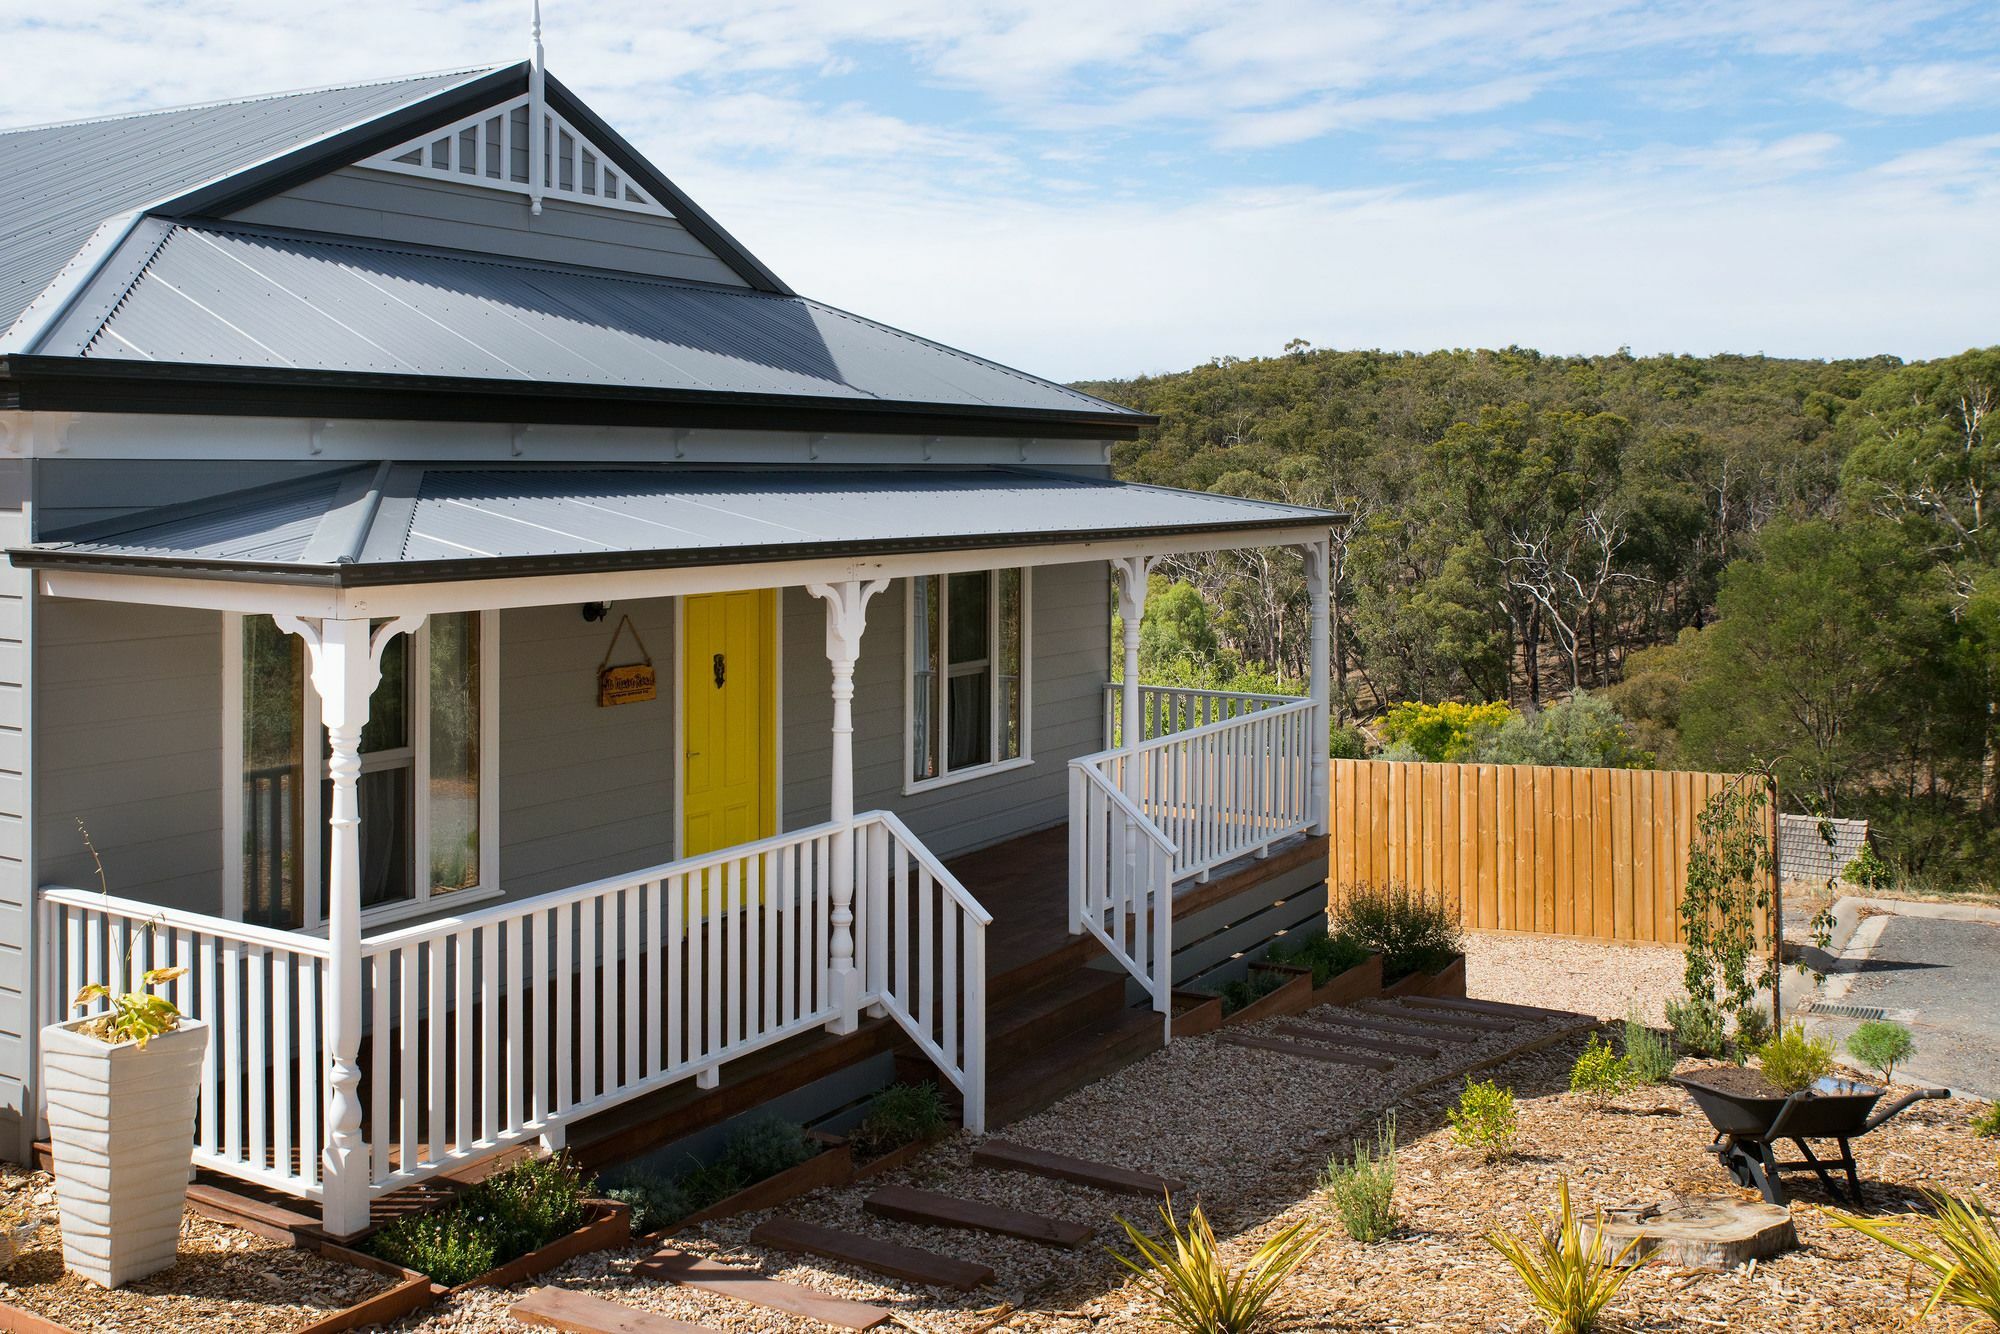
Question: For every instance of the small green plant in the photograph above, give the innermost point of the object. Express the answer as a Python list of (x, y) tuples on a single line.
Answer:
[(901, 1114), (1251, 987), (1647, 1055), (133, 1016), (1753, 1030), (1414, 932), (1571, 1276), (1600, 1073), (705, 1184), (1328, 955), (1485, 1119), (1962, 1249), (1792, 1061), (1201, 1293), (1361, 1186), (1870, 871), (1986, 1124), (656, 1201), (1698, 1026), (517, 1210), (767, 1146), (1881, 1046)]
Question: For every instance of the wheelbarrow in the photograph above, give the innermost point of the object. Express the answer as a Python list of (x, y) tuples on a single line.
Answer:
[(1747, 1127)]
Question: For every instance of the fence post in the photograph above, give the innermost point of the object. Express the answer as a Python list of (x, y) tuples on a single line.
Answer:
[(1777, 913)]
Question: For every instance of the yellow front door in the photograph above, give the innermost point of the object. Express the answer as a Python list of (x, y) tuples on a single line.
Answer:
[(729, 706)]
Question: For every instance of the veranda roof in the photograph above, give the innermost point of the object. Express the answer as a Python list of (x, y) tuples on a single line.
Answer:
[(388, 524)]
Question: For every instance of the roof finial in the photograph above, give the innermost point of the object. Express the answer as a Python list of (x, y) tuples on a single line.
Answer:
[(538, 167)]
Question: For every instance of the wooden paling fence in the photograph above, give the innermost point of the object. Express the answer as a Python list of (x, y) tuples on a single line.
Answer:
[(1597, 853)]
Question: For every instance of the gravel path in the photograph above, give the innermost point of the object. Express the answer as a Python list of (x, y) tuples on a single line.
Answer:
[(1606, 980)]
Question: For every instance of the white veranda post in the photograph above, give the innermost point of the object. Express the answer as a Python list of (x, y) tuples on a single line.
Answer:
[(1132, 572), (1319, 587), (846, 620), (346, 665)]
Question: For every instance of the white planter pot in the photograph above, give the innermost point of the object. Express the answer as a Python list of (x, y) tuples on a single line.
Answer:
[(121, 1128)]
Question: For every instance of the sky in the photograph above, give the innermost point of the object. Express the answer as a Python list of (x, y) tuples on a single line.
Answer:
[(1099, 188)]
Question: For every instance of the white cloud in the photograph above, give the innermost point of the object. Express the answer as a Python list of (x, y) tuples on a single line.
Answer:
[(1921, 90)]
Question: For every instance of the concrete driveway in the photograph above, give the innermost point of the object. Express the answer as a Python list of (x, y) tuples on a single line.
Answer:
[(1934, 968)]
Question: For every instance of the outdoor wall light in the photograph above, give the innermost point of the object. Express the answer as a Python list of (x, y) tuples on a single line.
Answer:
[(595, 611)]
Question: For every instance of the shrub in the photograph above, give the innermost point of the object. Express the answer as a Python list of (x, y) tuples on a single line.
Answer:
[(1251, 987), (901, 1114), (1698, 1027), (1570, 1277), (1414, 932), (1485, 1119), (1881, 1046), (1986, 1124), (705, 1184), (1753, 1030), (767, 1146), (1792, 1061), (1327, 955), (1440, 732), (656, 1201), (1362, 1186), (517, 1210), (1600, 1073), (1647, 1055), (1201, 1293), (1870, 871), (1962, 1249), (1346, 743), (1580, 731)]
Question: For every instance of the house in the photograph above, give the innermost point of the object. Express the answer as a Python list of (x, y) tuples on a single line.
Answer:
[(534, 667)]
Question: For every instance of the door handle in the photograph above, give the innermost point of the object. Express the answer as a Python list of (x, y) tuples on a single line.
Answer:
[(718, 671)]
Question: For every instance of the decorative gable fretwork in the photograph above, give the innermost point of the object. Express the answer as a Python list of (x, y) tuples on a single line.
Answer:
[(494, 149)]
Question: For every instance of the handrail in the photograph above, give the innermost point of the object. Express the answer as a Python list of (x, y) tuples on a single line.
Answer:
[(180, 920), (1297, 704), (1121, 864), (1117, 687), (1096, 775), (946, 880)]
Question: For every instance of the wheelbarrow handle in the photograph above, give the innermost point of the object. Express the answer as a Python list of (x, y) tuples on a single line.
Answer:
[(1777, 1129), (1883, 1114)]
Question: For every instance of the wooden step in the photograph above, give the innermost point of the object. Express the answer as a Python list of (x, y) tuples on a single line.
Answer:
[(1496, 1009), (268, 1220), (1347, 1018), (1321, 1033), (1065, 1065), (871, 1253), (1300, 1049), (581, 1313), (1403, 1011), (1051, 1010), (1009, 1156), (906, 1204), (670, 1265)]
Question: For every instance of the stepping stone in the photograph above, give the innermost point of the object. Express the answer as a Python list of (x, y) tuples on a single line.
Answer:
[(1301, 1050), (906, 1204), (1706, 1232), (1321, 1033), (1013, 1157), (871, 1253), (752, 1288), (1375, 1024), (581, 1313), (1490, 1025), (1497, 1009)]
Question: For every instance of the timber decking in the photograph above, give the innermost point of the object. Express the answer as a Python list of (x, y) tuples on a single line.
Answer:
[(871, 1253), (747, 1285), (1307, 1052), (581, 1313), (906, 1204), (1009, 1156), (1322, 1033)]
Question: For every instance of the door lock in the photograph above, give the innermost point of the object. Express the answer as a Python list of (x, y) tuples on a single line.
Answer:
[(719, 673)]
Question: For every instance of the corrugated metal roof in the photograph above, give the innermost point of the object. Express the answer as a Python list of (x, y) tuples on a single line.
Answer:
[(59, 182), (424, 524), (214, 294)]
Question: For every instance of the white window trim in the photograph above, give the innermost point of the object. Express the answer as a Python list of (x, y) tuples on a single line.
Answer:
[(941, 725), (312, 815)]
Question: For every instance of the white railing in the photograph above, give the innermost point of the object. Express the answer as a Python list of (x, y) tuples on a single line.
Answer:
[(514, 1022), (1121, 883), (260, 991), (1165, 710), (1226, 789), (924, 953)]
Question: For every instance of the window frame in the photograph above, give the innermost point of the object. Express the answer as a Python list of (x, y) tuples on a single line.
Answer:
[(313, 813), (941, 724)]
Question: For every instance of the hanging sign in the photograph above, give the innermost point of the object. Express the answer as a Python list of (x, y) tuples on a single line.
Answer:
[(632, 683)]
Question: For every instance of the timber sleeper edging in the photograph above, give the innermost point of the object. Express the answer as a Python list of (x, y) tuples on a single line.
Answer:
[(608, 1227), (1290, 998), (832, 1166)]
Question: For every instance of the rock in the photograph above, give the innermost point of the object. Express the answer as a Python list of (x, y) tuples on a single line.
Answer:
[(1702, 1232)]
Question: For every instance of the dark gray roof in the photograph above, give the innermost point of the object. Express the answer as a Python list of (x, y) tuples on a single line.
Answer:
[(58, 183), (234, 296), (413, 524)]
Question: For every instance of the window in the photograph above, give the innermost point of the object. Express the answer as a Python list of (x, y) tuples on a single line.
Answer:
[(426, 790), (968, 682)]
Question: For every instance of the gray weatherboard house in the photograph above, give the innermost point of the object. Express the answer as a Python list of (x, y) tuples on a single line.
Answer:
[(354, 440)]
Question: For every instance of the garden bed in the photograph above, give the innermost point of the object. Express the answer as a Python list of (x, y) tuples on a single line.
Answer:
[(606, 1227), (833, 1165), (1357, 983), (225, 1279), (901, 1156), (1447, 981), (1289, 997)]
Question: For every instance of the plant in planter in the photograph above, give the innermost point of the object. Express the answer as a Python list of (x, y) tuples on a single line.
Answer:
[(901, 1114), (1414, 932), (1250, 988), (502, 1218), (1792, 1061), (1327, 954)]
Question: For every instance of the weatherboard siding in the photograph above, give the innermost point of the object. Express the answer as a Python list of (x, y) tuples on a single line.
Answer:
[(376, 205), (17, 1014)]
